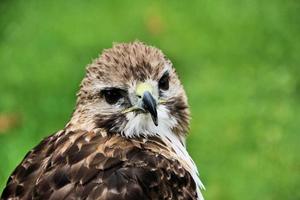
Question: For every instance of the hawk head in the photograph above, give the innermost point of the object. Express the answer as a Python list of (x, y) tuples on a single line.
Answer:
[(132, 89)]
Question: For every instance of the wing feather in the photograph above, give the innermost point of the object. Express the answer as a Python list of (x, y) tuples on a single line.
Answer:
[(84, 165)]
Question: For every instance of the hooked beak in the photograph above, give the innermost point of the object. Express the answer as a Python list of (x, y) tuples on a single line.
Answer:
[(149, 104), (146, 102)]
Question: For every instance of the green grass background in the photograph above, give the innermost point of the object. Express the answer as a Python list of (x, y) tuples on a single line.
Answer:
[(238, 60)]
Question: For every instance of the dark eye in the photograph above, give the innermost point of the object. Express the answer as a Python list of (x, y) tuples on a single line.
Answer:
[(163, 83), (112, 95)]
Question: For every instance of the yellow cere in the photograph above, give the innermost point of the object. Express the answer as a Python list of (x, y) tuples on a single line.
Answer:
[(143, 87)]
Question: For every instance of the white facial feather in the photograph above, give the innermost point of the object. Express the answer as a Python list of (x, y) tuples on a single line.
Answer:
[(142, 124)]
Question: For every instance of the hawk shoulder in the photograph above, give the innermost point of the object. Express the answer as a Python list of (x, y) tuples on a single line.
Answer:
[(90, 165)]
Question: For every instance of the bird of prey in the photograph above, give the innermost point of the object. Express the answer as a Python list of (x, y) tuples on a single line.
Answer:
[(125, 139)]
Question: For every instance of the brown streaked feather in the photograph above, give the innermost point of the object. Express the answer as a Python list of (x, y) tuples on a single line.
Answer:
[(87, 165)]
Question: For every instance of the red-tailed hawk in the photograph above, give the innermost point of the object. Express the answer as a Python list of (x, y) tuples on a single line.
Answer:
[(125, 140)]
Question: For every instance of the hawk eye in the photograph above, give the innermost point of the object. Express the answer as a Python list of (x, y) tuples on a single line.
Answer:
[(112, 95), (163, 83)]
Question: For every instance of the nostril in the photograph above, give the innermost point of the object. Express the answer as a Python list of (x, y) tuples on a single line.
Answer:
[(139, 96)]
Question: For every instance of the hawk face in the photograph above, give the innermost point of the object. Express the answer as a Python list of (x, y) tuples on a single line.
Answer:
[(132, 89)]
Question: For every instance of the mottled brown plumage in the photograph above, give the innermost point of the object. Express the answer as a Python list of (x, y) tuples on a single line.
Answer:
[(97, 167), (106, 152)]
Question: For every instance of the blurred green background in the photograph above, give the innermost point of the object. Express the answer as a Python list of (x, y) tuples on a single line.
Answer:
[(238, 60)]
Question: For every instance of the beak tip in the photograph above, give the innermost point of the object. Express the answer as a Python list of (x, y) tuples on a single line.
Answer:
[(149, 104)]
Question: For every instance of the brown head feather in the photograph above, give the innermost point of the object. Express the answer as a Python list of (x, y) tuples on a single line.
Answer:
[(123, 66)]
